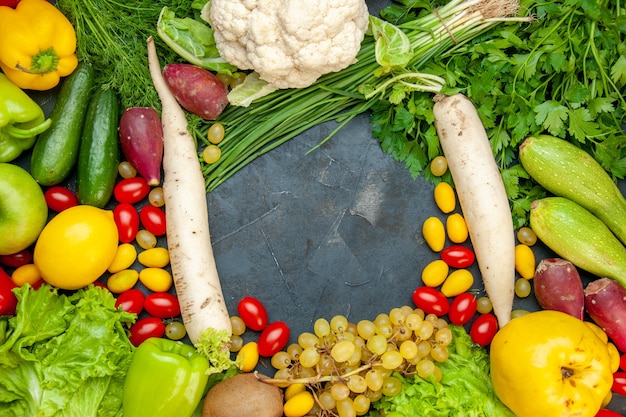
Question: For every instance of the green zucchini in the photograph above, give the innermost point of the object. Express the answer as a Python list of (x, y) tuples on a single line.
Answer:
[(56, 150), (578, 236), (568, 171), (99, 153)]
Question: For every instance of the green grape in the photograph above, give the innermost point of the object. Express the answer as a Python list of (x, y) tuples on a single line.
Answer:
[(424, 368), (175, 330), (385, 329), (439, 353), (432, 318), (522, 287), (391, 359), (425, 331), (441, 323), (382, 318), (345, 408), (374, 379), (407, 310), (391, 386), (339, 391), (342, 351), (326, 365), (238, 326), (413, 321), (402, 333), (408, 349), (366, 329), (309, 357), (302, 372), (517, 313), (361, 404), (437, 374), (294, 350), (377, 344), (374, 396), (339, 324), (423, 348), (397, 315), (527, 236), (307, 339), (321, 327), (281, 360), (326, 400), (483, 305), (438, 166), (352, 330), (357, 384), (355, 358), (236, 343), (443, 336)]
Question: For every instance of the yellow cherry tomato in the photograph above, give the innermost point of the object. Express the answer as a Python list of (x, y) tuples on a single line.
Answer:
[(524, 261), (458, 282), (154, 257), (456, 228), (26, 274), (435, 273), (445, 198), (434, 233), (122, 281), (211, 154), (76, 247), (156, 279), (299, 405), (124, 257), (248, 357)]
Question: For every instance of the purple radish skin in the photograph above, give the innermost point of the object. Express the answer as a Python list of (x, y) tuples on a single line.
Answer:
[(197, 90), (605, 302), (141, 140), (558, 286)]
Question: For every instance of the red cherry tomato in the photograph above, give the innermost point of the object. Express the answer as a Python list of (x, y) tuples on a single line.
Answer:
[(127, 221), (8, 300), (462, 309), (146, 328), (60, 198), (253, 313), (9, 3), (131, 301), (17, 259), (619, 383), (162, 304), (622, 362), (431, 301), (483, 329), (153, 219), (457, 256), (131, 190), (607, 413), (273, 338)]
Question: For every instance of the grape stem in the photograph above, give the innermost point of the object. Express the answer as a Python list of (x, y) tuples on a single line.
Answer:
[(311, 380)]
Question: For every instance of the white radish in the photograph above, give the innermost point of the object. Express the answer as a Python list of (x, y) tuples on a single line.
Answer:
[(482, 197), (196, 280)]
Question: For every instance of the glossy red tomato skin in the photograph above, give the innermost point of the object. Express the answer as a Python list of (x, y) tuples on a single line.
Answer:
[(131, 190), (619, 383), (162, 304), (431, 301), (59, 198), (127, 221), (622, 362), (17, 259), (131, 301), (153, 219), (457, 256), (273, 338), (8, 300), (607, 413), (146, 328), (483, 329), (253, 313), (462, 309)]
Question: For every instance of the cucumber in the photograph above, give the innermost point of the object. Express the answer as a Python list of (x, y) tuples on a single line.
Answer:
[(568, 171), (56, 150), (578, 236), (99, 153)]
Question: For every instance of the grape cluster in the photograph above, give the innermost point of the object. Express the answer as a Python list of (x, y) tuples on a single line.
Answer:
[(348, 366)]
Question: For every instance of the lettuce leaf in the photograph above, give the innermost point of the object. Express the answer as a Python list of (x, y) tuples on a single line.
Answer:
[(64, 354), (465, 389)]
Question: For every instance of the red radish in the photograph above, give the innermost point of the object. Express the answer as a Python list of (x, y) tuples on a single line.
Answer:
[(197, 283), (482, 197), (199, 91), (558, 286), (605, 302), (141, 140)]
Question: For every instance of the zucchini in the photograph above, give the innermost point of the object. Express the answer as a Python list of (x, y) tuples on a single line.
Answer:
[(568, 171), (56, 150), (578, 236), (99, 153)]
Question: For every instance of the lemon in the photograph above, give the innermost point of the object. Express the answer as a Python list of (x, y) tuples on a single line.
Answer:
[(76, 247)]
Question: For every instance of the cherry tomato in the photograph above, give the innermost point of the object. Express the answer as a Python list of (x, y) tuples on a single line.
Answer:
[(619, 383), (17, 259), (60, 198), (153, 219), (431, 300), (253, 313), (8, 300), (131, 190), (146, 328), (483, 329), (273, 338), (9, 3), (607, 413), (131, 301), (622, 362), (462, 309), (162, 304), (127, 221), (457, 256)]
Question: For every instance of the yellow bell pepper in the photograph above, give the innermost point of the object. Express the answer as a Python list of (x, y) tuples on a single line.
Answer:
[(37, 45)]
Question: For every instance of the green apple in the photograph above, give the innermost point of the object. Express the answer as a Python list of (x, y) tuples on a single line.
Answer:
[(23, 209)]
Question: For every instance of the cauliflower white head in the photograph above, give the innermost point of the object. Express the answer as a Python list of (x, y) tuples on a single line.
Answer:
[(290, 43)]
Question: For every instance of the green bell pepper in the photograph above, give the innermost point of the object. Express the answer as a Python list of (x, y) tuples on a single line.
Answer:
[(21, 120), (165, 378)]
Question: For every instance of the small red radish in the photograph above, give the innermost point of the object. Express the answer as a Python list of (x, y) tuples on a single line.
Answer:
[(558, 286), (141, 139), (605, 302), (197, 90)]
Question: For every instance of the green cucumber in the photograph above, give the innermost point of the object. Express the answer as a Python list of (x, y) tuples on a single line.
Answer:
[(56, 150), (578, 236), (99, 153), (568, 171)]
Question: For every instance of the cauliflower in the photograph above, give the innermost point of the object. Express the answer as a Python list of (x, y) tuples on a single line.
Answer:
[(289, 43)]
